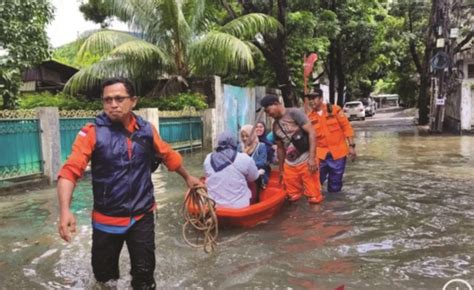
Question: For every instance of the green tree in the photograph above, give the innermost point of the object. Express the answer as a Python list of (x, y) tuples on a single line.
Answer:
[(417, 34), (420, 19), (97, 11), (302, 32), (357, 53), (177, 38), (382, 56), (67, 54), (306, 33), (23, 42)]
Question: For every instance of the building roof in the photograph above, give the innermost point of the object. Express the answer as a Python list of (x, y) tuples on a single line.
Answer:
[(49, 70)]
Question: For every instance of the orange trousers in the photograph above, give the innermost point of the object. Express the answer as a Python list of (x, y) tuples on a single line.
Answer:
[(298, 181)]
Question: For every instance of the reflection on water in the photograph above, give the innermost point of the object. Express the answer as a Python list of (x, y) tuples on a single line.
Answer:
[(403, 221)]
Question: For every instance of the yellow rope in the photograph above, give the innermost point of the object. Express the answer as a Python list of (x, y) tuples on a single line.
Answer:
[(202, 218)]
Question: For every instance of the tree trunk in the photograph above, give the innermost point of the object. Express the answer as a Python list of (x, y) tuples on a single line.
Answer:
[(282, 72), (332, 58), (332, 74), (6, 102), (341, 78), (274, 50), (423, 101), (423, 97), (275, 54)]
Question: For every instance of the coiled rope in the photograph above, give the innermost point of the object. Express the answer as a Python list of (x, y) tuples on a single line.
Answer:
[(199, 212)]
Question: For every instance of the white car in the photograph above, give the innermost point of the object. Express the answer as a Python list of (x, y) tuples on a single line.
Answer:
[(354, 110)]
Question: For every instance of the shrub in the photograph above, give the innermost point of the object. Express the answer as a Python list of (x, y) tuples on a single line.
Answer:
[(66, 102), (175, 103), (60, 100)]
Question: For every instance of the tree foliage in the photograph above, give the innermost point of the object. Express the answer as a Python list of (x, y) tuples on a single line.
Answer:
[(174, 38), (351, 38), (67, 54), (23, 42), (96, 11), (302, 32), (66, 102)]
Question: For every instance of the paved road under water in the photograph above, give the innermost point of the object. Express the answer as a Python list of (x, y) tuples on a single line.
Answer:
[(404, 220)]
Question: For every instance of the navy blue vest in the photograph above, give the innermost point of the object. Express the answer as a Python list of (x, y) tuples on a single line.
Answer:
[(122, 186)]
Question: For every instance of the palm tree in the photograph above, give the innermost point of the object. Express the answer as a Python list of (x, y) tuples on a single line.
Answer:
[(176, 38)]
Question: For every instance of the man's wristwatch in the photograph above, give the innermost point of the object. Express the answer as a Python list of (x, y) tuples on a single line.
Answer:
[(352, 145)]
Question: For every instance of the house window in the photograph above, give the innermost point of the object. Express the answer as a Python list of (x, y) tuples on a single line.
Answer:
[(470, 71)]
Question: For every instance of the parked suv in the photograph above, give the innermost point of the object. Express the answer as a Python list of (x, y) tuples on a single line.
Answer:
[(369, 105), (354, 110)]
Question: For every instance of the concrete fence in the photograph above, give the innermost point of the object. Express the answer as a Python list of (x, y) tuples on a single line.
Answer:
[(47, 131)]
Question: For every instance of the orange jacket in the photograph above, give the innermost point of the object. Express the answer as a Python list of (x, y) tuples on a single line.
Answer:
[(331, 132), (84, 145)]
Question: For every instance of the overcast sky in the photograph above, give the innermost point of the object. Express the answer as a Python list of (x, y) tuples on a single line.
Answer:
[(69, 22)]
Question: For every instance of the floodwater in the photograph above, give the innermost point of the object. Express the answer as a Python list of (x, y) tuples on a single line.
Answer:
[(404, 220)]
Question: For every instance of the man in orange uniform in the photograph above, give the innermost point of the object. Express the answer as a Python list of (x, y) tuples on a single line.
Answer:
[(298, 164), (120, 146), (334, 139)]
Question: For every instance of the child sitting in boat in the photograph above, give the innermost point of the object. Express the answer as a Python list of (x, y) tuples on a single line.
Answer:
[(228, 172), (257, 150)]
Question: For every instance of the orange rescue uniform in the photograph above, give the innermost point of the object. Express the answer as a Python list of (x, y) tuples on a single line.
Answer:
[(332, 129), (299, 180)]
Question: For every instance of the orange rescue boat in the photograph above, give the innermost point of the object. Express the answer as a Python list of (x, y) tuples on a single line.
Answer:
[(272, 199)]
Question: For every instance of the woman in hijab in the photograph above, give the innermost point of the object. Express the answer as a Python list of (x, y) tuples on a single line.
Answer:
[(263, 137), (256, 150), (228, 172)]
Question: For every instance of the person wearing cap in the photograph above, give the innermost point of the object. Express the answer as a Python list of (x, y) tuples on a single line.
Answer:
[(298, 164), (334, 139)]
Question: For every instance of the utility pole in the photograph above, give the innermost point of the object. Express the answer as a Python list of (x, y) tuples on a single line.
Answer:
[(440, 64), (446, 76)]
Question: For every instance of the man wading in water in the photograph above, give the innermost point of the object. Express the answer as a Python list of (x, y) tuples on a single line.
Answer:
[(297, 159), (120, 146)]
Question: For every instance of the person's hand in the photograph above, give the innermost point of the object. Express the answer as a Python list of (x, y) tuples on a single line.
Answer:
[(312, 165), (192, 181), (261, 172), (67, 225), (352, 154)]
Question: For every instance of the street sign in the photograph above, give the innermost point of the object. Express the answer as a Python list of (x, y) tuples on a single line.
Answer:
[(440, 101), (440, 42)]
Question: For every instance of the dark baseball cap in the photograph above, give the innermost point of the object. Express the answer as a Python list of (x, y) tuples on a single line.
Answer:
[(316, 93), (269, 100)]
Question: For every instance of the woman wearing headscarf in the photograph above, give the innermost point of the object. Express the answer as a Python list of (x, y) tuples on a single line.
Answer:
[(228, 172), (255, 149), (268, 140)]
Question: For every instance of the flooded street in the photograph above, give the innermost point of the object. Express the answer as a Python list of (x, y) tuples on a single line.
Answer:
[(404, 220)]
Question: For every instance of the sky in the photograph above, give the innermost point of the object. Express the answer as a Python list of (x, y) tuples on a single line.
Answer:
[(69, 22)]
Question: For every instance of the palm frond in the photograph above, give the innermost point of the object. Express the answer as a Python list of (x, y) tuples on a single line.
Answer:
[(141, 51), (91, 76), (140, 15), (173, 20), (194, 13), (104, 41), (247, 26), (221, 53)]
